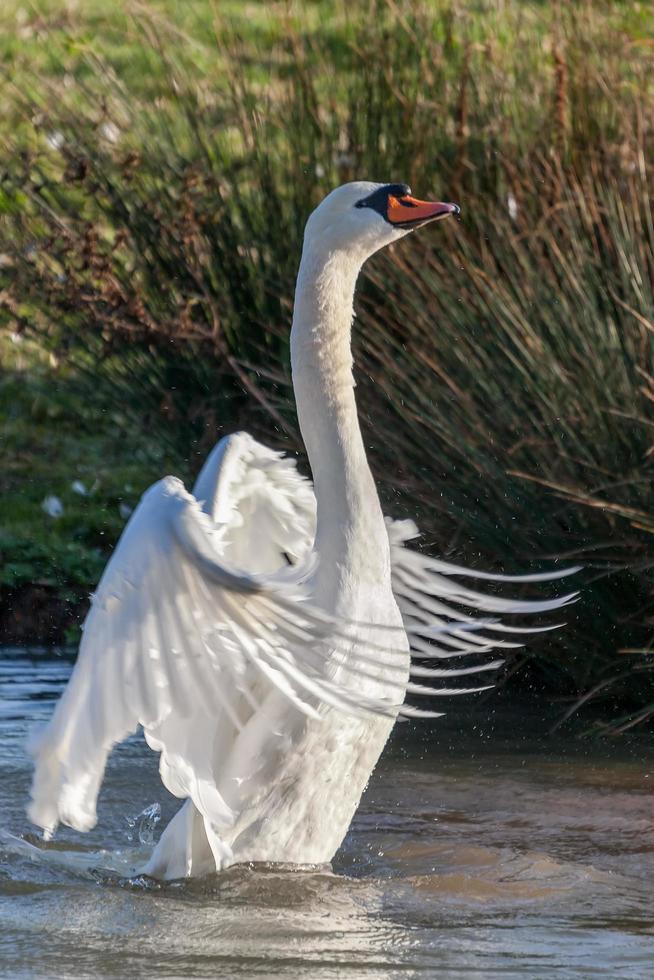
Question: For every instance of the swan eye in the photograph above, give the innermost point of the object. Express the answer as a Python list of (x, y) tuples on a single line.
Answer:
[(379, 199)]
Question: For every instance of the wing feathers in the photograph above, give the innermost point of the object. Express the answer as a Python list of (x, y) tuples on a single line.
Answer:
[(430, 600), (183, 641)]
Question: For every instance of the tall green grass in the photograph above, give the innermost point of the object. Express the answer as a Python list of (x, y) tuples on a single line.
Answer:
[(505, 363)]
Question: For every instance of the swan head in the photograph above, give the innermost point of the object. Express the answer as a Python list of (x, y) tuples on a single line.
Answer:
[(361, 217)]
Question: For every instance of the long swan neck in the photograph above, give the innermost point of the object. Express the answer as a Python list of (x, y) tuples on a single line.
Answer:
[(349, 514), (321, 335)]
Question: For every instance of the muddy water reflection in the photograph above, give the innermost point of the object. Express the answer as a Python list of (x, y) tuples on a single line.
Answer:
[(470, 857)]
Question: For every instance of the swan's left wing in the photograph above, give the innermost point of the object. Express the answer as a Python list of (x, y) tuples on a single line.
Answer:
[(184, 644)]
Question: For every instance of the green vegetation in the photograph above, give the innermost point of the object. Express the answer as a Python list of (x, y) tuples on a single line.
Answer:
[(70, 477), (161, 161)]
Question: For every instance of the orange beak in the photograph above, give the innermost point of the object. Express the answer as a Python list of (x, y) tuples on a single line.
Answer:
[(407, 211)]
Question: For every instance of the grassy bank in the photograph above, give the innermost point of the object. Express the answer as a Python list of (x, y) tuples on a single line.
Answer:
[(161, 162), (70, 478)]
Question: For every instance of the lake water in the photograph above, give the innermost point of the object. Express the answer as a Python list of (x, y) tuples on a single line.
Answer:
[(478, 851)]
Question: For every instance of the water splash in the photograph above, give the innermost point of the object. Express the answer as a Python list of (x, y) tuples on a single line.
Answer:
[(142, 827)]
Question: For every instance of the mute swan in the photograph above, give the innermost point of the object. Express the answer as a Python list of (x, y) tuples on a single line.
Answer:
[(260, 630)]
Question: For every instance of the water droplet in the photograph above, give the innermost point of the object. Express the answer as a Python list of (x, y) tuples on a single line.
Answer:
[(144, 824)]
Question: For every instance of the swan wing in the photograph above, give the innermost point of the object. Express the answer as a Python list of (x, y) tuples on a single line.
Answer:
[(445, 619), (268, 509), (434, 605), (187, 645)]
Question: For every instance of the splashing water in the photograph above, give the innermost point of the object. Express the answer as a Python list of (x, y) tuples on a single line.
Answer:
[(143, 825)]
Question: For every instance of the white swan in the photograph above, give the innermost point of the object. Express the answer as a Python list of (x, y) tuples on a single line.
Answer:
[(269, 688)]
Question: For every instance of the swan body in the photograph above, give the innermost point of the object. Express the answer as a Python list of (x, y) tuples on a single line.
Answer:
[(261, 629)]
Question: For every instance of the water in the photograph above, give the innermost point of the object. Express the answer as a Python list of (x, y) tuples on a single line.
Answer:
[(471, 856)]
